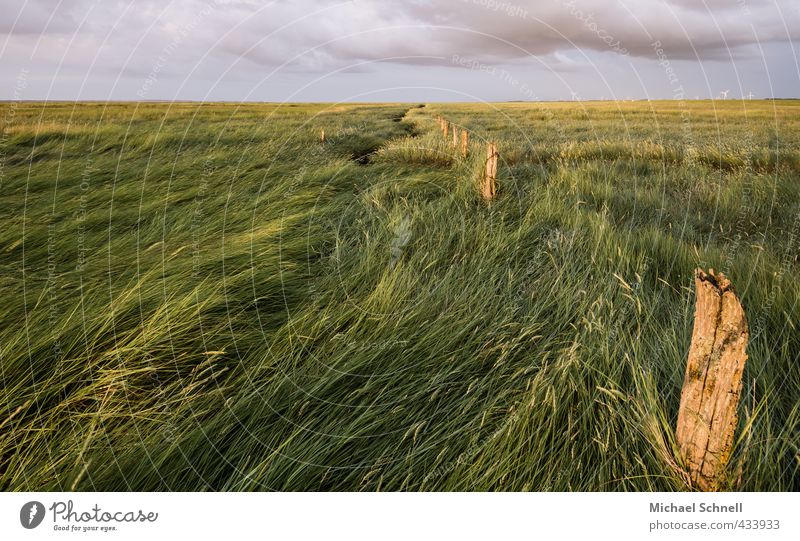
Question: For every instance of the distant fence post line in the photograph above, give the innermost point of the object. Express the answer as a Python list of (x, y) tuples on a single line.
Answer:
[(707, 416)]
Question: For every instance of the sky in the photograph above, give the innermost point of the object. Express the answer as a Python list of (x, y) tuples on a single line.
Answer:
[(398, 50)]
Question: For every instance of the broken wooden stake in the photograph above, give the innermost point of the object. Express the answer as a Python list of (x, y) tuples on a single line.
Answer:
[(322, 136), (489, 187), (455, 137), (445, 127), (707, 417), (464, 143)]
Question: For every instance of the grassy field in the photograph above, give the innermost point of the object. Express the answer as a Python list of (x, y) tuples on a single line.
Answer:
[(207, 297)]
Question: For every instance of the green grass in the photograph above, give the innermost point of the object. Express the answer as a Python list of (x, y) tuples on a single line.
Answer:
[(206, 297)]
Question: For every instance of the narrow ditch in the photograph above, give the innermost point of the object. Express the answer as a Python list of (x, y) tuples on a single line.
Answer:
[(364, 156)]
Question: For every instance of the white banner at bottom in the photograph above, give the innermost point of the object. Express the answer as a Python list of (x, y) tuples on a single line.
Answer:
[(401, 516)]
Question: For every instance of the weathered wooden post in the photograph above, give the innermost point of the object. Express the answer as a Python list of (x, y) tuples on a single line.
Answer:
[(322, 136), (489, 187), (455, 136), (707, 417), (464, 143), (445, 127)]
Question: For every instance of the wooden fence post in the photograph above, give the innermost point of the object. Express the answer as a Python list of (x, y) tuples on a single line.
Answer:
[(464, 143), (707, 416), (489, 187), (455, 137), (445, 127), (322, 136)]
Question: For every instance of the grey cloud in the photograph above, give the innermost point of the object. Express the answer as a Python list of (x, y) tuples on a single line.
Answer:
[(323, 31), (246, 38), (505, 30), (37, 17)]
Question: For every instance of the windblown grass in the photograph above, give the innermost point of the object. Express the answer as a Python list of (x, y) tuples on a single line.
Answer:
[(208, 297)]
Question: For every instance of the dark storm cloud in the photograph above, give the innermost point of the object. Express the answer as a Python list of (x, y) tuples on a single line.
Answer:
[(506, 29)]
